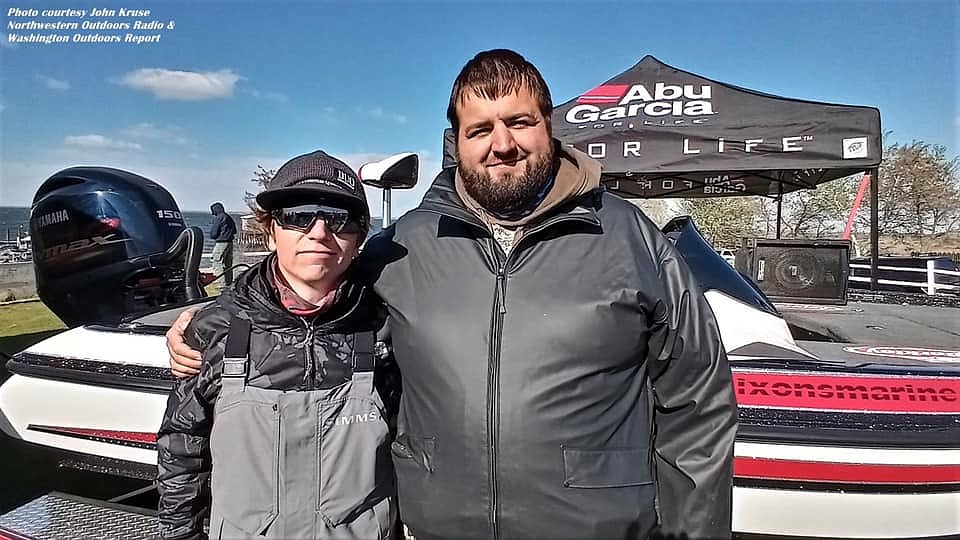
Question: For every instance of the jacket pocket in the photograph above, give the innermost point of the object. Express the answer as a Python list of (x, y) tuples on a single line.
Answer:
[(410, 450), (414, 460), (244, 445), (606, 468), (355, 468)]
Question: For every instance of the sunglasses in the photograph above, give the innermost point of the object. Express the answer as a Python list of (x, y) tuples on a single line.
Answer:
[(302, 218)]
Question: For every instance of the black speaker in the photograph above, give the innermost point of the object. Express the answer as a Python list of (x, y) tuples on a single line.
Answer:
[(806, 271)]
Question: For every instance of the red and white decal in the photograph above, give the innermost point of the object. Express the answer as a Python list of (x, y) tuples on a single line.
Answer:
[(607, 93), (854, 473), (938, 356), (829, 392), (103, 435)]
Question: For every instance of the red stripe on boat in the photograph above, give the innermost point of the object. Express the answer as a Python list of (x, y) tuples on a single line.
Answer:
[(855, 473), (823, 391), (126, 436), (6, 534)]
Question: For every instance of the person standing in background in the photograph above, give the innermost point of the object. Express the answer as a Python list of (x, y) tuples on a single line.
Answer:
[(222, 232)]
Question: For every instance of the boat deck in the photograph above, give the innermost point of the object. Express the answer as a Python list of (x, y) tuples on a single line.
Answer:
[(863, 332), (59, 516), (879, 324)]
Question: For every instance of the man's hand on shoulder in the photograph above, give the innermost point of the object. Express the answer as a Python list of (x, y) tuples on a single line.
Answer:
[(184, 361)]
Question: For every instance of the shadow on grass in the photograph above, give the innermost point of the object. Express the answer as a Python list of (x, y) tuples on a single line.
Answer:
[(14, 344)]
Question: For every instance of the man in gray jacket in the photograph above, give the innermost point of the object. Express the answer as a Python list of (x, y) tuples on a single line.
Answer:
[(563, 374)]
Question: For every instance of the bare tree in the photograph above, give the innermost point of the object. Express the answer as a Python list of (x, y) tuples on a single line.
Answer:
[(820, 212), (725, 220), (919, 190), (809, 213), (800, 210), (767, 219), (660, 211), (261, 177)]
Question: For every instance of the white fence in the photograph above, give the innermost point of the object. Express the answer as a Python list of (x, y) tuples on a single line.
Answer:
[(929, 285)]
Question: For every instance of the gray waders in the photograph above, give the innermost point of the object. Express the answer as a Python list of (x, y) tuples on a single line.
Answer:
[(300, 464)]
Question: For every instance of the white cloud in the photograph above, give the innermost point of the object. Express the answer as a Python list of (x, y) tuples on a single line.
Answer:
[(3, 106), (380, 113), (54, 84), (275, 97), (329, 114), (181, 85), (99, 142), (148, 131), (193, 183)]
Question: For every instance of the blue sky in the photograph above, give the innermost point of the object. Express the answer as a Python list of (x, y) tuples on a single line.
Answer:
[(236, 84)]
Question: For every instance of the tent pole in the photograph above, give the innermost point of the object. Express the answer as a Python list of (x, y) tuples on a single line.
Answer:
[(874, 228), (779, 206)]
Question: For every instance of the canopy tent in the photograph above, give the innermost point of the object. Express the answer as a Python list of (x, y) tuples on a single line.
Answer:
[(663, 132), (659, 131)]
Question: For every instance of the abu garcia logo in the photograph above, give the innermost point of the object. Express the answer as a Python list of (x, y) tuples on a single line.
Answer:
[(685, 104)]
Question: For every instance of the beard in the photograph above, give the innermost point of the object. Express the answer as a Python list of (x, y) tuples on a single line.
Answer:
[(509, 194)]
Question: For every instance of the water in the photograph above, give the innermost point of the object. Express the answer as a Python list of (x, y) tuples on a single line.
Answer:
[(15, 219)]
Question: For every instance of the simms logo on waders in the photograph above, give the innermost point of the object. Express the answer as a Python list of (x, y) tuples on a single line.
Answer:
[(371, 416)]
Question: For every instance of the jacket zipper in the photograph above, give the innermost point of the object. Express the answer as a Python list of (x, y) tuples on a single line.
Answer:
[(310, 363), (493, 391), (493, 368)]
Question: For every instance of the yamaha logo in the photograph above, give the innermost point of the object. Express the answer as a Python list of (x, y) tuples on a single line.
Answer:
[(52, 218)]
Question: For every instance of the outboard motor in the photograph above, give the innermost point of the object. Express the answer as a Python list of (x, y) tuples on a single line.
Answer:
[(108, 243)]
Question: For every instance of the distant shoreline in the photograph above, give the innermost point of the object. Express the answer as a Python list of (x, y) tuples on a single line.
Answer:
[(18, 280)]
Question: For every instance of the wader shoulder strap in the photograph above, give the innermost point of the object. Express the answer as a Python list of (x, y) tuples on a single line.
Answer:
[(236, 352), (363, 351)]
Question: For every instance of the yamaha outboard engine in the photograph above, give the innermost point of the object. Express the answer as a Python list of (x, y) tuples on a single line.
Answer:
[(108, 243)]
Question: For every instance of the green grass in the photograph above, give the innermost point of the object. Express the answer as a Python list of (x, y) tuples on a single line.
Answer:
[(24, 324)]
